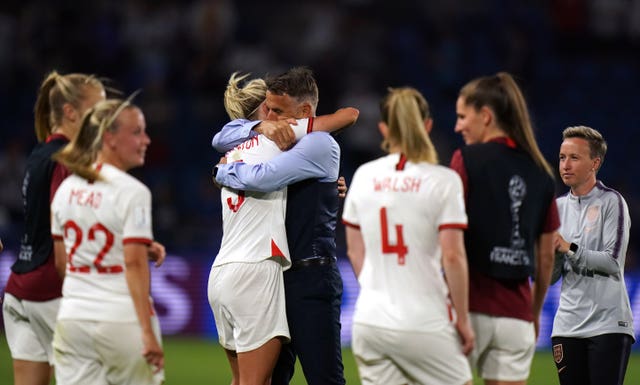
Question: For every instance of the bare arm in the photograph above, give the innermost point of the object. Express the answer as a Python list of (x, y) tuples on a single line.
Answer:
[(544, 268), (342, 118), (60, 255), (138, 280), (282, 134), (454, 263), (355, 248)]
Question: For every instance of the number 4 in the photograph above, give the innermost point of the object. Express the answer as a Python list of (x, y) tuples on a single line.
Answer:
[(399, 248)]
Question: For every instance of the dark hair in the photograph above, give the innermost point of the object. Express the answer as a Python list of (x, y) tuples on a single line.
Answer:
[(502, 95), (298, 83)]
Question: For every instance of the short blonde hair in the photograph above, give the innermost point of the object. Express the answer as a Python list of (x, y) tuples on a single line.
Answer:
[(243, 102), (597, 144)]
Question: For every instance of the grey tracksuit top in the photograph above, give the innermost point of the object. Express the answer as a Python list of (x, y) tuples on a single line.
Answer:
[(593, 298)]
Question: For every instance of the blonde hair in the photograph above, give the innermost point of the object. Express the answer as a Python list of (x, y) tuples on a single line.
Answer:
[(243, 102), (597, 144), (404, 111), (502, 95), (55, 91), (79, 155)]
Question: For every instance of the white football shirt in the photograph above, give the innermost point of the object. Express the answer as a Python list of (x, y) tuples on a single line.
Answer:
[(400, 213), (253, 226), (96, 220)]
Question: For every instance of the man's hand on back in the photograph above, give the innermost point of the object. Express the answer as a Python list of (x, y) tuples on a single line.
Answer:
[(279, 131)]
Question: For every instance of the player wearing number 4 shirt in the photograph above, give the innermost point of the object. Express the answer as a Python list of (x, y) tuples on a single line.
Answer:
[(404, 223), (106, 330)]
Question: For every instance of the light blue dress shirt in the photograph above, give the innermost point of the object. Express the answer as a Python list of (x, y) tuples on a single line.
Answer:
[(316, 155)]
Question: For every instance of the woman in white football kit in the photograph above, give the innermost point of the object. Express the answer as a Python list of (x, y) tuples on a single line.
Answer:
[(246, 289), (404, 218), (107, 330), (34, 287)]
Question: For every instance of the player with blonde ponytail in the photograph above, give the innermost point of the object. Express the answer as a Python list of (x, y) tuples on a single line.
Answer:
[(101, 225), (246, 289), (404, 217), (33, 290)]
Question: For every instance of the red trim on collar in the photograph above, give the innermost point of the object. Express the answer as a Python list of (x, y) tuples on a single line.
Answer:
[(310, 125), (401, 162), (98, 168), (56, 137), (505, 140)]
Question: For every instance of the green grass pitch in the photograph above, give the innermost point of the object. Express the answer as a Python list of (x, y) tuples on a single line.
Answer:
[(193, 361)]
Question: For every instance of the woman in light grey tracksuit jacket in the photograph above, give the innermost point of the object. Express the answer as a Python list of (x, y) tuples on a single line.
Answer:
[(593, 327)]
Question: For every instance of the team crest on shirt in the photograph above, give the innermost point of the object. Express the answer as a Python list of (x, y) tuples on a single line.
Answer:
[(141, 217), (558, 353), (593, 214)]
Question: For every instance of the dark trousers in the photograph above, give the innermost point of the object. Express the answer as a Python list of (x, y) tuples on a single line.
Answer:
[(597, 360), (313, 294)]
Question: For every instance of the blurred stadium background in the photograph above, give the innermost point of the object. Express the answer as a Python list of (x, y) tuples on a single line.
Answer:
[(576, 60)]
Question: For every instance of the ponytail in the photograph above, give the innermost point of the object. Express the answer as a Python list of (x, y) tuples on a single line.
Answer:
[(405, 111)]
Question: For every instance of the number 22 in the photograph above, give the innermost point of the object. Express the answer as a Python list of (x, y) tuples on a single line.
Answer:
[(399, 248), (97, 262)]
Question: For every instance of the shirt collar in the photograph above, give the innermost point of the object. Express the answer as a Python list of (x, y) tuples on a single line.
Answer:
[(56, 136), (505, 140)]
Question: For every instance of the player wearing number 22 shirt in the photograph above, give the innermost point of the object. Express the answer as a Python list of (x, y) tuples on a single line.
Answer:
[(96, 220)]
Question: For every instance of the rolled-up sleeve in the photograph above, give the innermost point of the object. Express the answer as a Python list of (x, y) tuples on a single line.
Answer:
[(234, 133), (316, 155)]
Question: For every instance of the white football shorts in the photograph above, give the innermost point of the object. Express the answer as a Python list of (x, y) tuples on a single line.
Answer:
[(386, 356), (504, 347), (29, 328), (248, 304), (95, 352)]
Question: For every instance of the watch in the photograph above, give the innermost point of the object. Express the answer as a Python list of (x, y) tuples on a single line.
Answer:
[(573, 249)]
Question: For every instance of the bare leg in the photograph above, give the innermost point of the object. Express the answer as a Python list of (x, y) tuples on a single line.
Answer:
[(232, 356), (256, 366), (31, 372)]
